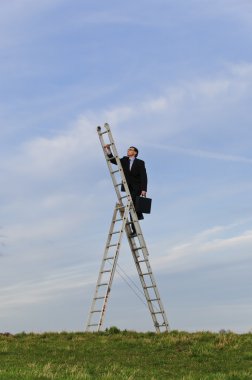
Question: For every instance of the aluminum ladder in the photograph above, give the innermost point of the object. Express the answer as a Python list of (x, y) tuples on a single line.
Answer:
[(121, 223)]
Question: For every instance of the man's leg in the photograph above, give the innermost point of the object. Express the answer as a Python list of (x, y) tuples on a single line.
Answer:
[(134, 193)]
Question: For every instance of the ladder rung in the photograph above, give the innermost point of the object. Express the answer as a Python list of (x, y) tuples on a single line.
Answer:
[(111, 245), (155, 299), (93, 324), (96, 311), (145, 274), (117, 220), (111, 158), (99, 298), (116, 232), (148, 287), (106, 271), (125, 196), (103, 133), (118, 184), (103, 284), (115, 171), (120, 207), (137, 249), (109, 258), (157, 312), (142, 261)]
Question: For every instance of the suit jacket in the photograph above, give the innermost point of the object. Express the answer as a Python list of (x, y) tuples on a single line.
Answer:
[(136, 177)]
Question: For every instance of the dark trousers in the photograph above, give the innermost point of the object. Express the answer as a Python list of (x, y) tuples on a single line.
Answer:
[(134, 193)]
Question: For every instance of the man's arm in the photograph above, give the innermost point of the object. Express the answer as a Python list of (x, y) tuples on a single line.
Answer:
[(109, 154), (144, 180)]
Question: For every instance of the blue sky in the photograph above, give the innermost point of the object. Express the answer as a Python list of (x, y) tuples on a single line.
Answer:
[(173, 78)]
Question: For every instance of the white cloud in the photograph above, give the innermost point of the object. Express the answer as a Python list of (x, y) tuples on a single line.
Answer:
[(172, 99), (112, 16), (201, 100), (242, 69), (14, 14), (210, 245), (211, 89), (200, 153), (45, 156), (53, 285), (45, 229), (241, 10), (119, 114)]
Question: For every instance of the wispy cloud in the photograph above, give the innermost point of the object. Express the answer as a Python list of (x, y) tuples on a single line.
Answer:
[(200, 153), (202, 248), (40, 290), (16, 12), (101, 17), (43, 156), (133, 14), (202, 99)]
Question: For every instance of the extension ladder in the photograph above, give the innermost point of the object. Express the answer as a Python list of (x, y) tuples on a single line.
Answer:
[(120, 223)]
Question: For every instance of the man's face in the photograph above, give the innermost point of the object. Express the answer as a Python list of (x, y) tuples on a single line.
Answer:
[(131, 152)]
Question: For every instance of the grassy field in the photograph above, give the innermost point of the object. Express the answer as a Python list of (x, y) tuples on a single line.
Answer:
[(126, 355)]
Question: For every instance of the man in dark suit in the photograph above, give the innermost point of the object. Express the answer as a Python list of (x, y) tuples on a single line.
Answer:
[(135, 174)]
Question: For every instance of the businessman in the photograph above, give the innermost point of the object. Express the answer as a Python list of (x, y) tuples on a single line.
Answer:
[(135, 174)]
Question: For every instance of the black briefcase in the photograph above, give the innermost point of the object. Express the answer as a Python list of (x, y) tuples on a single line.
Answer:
[(143, 205)]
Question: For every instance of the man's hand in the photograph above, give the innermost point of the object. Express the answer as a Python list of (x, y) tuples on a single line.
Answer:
[(107, 148), (143, 193)]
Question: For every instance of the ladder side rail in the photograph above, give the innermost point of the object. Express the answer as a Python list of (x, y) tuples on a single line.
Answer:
[(117, 210), (116, 155), (118, 162), (149, 270), (156, 292), (144, 286), (153, 286), (125, 215), (110, 166), (139, 233), (147, 296), (133, 246), (155, 289), (161, 306), (102, 266), (119, 165)]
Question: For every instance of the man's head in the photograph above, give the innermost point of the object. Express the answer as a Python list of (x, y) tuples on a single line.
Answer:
[(132, 152)]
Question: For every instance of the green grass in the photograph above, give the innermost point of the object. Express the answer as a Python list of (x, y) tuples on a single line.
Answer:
[(126, 355)]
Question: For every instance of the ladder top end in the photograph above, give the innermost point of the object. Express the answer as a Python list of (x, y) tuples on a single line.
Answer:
[(106, 125), (98, 129)]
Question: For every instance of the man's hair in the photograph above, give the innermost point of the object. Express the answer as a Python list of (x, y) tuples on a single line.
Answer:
[(135, 149)]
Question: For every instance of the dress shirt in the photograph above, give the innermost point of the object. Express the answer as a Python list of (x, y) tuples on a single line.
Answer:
[(131, 160)]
